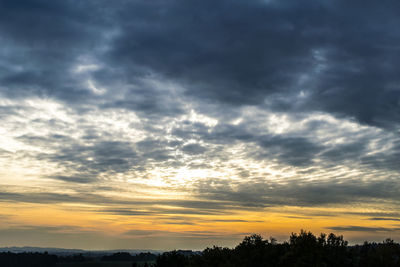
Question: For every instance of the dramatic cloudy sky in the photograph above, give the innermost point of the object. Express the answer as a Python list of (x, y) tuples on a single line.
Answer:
[(185, 123)]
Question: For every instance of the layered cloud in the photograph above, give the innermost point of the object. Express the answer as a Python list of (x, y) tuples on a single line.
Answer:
[(190, 113)]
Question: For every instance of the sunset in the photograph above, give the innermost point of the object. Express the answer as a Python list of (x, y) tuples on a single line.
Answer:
[(162, 125)]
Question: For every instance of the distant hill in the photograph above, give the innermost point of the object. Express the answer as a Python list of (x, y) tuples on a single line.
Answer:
[(66, 251)]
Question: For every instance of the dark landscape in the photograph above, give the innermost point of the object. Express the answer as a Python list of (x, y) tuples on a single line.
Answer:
[(303, 249)]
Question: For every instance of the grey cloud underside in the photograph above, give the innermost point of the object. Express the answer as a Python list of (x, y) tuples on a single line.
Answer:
[(242, 53), (343, 59), (299, 193), (220, 197), (40, 42), (87, 159), (299, 149), (84, 160)]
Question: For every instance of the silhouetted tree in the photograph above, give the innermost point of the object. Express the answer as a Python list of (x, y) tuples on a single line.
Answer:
[(303, 249), (171, 259)]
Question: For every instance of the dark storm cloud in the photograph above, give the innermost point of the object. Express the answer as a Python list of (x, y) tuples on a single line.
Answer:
[(82, 161), (224, 50), (151, 100), (343, 58), (295, 151), (43, 45), (40, 42), (326, 55), (91, 159)]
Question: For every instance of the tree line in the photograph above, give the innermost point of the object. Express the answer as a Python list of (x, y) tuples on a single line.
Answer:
[(302, 249), (36, 259)]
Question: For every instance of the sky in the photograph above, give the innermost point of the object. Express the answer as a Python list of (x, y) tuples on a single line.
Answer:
[(170, 124)]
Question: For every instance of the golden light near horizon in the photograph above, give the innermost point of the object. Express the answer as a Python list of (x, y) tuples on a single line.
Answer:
[(161, 126)]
